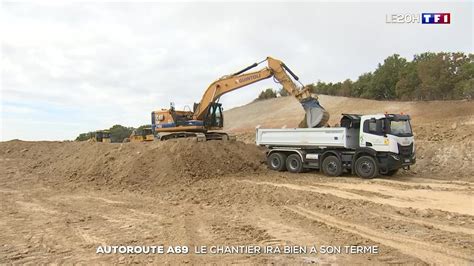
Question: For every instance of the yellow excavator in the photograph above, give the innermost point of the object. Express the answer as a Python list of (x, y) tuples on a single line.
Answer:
[(207, 116)]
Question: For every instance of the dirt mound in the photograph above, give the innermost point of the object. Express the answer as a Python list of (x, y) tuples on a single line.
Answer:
[(133, 166), (185, 161)]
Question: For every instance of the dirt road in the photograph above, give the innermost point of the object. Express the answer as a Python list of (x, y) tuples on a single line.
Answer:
[(47, 216)]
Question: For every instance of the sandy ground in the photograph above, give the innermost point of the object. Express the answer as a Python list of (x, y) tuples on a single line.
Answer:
[(59, 201), (412, 220)]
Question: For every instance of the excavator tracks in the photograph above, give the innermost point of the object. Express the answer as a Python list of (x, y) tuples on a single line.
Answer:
[(199, 136)]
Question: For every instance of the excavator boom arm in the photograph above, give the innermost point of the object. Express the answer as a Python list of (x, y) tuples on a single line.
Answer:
[(315, 114), (225, 85)]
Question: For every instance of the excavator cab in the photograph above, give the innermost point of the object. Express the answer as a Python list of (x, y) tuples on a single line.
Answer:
[(214, 118)]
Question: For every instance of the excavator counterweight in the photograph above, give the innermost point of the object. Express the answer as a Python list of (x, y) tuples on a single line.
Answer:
[(207, 116)]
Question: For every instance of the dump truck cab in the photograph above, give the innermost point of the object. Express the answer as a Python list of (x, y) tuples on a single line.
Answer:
[(391, 136)]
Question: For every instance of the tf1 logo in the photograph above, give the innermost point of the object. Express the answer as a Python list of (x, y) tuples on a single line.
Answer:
[(423, 18), (436, 18)]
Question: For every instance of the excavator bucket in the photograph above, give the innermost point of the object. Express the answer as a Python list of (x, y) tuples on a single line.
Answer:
[(316, 115)]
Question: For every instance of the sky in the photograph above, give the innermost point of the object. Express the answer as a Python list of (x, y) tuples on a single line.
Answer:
[(83, 66)]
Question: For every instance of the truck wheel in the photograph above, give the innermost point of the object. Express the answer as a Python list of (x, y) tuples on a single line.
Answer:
[(276, 161), (294, 164), (332, 166), (366, 167)]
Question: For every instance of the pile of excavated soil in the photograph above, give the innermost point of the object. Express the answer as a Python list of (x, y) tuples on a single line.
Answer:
[(134, 166), (444, 150)]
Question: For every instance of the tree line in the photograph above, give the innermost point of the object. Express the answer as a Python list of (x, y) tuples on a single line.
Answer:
[(271, 93), (429, 76)]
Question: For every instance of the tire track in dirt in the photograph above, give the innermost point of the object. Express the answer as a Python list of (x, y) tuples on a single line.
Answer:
[(284, 234), (418, 198), (88, 237), (430, 253), (460, 201), (30, 231), (447, 228), (423, 182)]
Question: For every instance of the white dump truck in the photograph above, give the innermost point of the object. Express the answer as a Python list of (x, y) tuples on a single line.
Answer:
[(366, 145)]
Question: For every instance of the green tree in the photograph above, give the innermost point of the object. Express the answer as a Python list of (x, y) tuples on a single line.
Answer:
[(84, 136), (334, 88), (429, 76), (266, 94), (464, 87), (434, 74), (362, 85), (386, 77), (118, 133), (408, 86), (346, 88), (318, 88)]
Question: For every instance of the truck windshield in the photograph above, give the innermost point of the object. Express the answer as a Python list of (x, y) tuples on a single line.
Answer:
[(401, 128)]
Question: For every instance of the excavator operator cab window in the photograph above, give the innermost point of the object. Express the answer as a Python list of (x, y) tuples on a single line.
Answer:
[(214, 116)]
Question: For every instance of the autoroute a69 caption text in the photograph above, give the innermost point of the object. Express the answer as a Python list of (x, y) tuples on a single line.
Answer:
[(238, 249)]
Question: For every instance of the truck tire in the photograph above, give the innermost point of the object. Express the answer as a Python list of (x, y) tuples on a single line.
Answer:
[(366, 167), (294, 164), (277, 161), (332, 166)]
